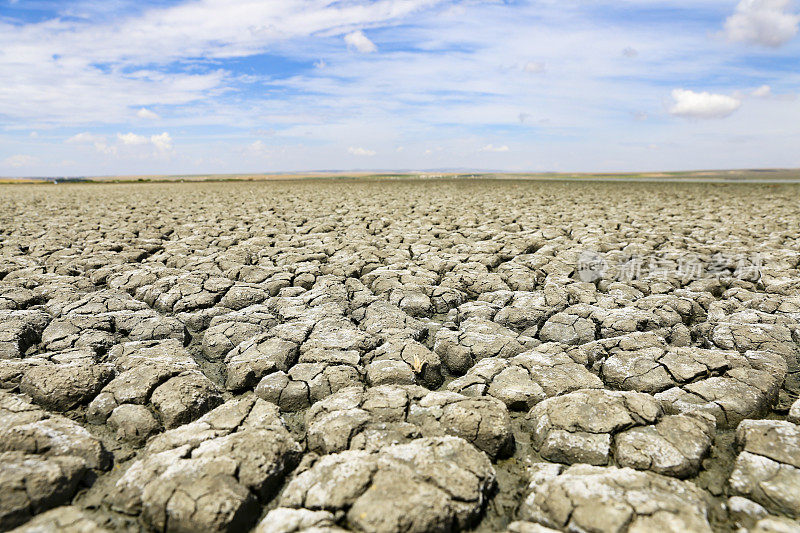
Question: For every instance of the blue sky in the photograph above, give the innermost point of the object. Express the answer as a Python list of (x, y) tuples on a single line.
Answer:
[(225, 86)]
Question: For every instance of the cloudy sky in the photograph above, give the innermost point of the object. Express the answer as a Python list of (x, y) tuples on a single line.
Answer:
[(160, 86)]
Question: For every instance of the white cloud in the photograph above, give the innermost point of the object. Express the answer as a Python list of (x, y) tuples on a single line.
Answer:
[(162, 142), (131, 139), (34, 135), (99, 142), (20, 160), (357, 150), (535, 67), (493, 148), (257, 147), (762, 92), (104, 148), (358, 41), (147, 114), (764, 22), (690, 104)]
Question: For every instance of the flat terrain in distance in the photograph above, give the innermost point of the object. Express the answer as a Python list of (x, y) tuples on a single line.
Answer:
[(741, 176), (400, 355)]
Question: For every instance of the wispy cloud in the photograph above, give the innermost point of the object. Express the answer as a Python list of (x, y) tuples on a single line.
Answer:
[(19, 161), (256, 149), (85, 138), (359, 151), (535, 67), (147, 114), (630, 52), (493, 148), (762, 92), (107, 74)]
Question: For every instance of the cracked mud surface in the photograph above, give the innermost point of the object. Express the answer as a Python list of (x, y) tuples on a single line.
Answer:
[(399, 356)]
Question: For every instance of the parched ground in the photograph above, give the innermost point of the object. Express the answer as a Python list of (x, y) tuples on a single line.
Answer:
[(399, 356)]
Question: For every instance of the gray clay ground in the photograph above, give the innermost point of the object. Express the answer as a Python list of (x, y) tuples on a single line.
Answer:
[(399, 356)]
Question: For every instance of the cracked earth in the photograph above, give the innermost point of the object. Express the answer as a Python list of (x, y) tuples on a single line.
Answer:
[(399, 356)]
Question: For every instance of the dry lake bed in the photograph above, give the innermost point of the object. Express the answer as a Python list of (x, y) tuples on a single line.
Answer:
[(400, 356)]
